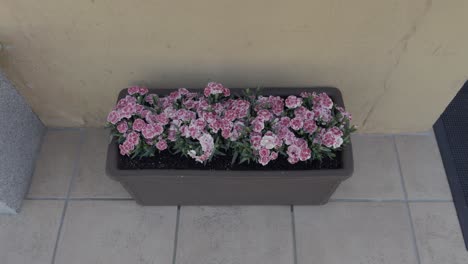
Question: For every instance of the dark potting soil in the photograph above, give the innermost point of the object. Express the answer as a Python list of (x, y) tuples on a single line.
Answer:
[(165, 160)]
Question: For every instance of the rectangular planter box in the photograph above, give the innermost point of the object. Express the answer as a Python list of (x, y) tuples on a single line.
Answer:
[(218, 187)]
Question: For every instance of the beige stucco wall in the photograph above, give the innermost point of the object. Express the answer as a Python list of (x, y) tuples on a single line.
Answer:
[(398, 62)]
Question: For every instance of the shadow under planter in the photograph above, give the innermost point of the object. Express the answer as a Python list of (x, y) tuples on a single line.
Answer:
[(231, 187)]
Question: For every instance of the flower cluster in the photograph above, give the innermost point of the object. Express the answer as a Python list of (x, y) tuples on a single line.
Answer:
[(249, 128)]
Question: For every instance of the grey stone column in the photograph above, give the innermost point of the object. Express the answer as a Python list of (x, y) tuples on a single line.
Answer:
[(21, 134)]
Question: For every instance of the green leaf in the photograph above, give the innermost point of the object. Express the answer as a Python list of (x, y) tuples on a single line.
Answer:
[(234, 157)]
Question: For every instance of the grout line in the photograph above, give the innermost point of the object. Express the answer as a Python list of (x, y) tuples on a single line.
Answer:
[(426, 133), (176, 235), (100, 199), (410, 217), (430, 201), (293, 226), (364, 200), (64, 128), (45, 198), (76, 169)]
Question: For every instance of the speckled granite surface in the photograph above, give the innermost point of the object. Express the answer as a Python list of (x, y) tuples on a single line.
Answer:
[(21, 134)]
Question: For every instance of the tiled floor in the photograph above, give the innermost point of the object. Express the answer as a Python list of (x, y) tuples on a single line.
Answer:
[(396, 208)]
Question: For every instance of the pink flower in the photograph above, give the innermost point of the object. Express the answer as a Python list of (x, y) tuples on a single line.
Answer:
[(264, 160), (293, 153), (213, 88), (237, 130), (143, 90), (273, 155), (126, 148), (122, 127), (322, 114), (230, 115), (150, 98), (189, 104), (113, 117), (149, 131), (310, 126), (121, 103), (284, 121), (287, 136), (344, 114), (325, 101), (171, 135), (226, 133), (133, 138), (158, 129), (185, 115), (138, 124), (258, 125), (305, 154), (293, 102), (137, 90), (336, 131), (255, 141), (128, 110), (332, 138), (296, 123), (183, 91), (133, 90), (226, 91), (162, 118), (300, 112), (264, 152), (175, 96), (161, 145), (277, 105), (264, 115)]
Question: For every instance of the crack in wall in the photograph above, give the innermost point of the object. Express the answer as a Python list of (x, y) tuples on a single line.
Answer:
[(403, 44)]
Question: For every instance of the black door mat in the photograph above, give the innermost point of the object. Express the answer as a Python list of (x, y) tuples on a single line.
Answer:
[(451, 131)]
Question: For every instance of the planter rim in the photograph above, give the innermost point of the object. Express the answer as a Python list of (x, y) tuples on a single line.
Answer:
[(346, 171)]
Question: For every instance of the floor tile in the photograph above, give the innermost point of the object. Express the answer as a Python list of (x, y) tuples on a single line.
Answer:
[(246, 234), (376, 173), (92, 181), (29, 237), (55, 164), (354, 233), (438, 233), (116, 232), (422, 167)]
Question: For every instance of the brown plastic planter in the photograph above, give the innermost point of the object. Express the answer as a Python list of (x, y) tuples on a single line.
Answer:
[(219, 187)]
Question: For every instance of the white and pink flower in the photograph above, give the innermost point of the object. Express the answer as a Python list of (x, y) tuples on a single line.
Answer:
[(332, 138), (269, 141), (214, 88), (207, 145), (296, 123), (293, 102)]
